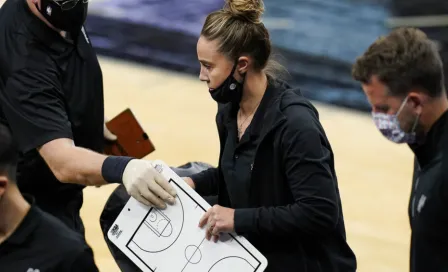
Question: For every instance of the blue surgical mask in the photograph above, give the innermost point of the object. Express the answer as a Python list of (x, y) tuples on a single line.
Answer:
[(389, 126)]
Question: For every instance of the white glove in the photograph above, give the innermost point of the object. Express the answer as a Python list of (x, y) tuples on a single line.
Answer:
[(148, 186)]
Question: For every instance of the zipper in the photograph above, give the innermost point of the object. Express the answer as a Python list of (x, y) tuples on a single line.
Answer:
[(413, 207), (414, 196)]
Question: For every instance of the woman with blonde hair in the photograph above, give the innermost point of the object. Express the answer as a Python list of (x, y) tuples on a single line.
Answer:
[(276, 183)]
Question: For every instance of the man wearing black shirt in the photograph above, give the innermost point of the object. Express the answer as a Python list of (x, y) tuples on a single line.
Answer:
[(51, 98), (30, 239), (402, 76)]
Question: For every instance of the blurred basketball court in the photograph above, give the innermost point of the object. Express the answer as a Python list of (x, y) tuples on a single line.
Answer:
[(374, 175)]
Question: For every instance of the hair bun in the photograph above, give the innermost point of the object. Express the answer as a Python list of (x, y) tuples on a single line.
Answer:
[(249, 10)]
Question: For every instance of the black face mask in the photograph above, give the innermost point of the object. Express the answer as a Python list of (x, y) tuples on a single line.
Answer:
[(229, 91), (70, 20)]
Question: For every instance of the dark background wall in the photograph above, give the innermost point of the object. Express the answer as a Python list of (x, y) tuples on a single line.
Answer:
[(431, 16), (316, 40)]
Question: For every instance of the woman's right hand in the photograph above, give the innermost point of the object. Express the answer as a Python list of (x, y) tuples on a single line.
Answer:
[(189, 181)]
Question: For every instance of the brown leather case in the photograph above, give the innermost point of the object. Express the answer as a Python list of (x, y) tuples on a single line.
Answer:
[(131, 141)]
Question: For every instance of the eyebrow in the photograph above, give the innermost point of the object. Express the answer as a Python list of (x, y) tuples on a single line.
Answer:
[(205, 62)]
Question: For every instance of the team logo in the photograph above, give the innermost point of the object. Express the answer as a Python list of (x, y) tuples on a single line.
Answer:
[(115, 231)]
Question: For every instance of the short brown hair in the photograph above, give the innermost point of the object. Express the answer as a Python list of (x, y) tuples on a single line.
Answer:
[(239, 30), (402, 60)]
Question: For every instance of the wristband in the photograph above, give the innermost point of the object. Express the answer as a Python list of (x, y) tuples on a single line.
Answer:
[(113, 168)]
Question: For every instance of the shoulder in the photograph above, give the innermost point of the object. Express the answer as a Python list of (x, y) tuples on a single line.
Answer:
[(66, 243), (33, 56), (299, 112), (22, 49)]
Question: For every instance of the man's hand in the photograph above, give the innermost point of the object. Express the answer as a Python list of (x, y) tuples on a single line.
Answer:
[(218, 220), (147, 185)]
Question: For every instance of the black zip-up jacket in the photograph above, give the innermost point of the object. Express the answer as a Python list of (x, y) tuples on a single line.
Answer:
[(295, 216), (428, 205)]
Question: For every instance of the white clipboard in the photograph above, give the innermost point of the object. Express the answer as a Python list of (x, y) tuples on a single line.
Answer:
[(170, 240)]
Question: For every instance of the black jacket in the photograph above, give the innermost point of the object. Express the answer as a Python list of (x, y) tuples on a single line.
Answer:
[(295, 216), (428, 204)]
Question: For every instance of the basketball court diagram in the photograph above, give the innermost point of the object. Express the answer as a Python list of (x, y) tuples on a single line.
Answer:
[(170, 240)]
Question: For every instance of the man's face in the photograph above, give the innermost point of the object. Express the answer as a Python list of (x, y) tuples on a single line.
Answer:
[(382, 102), (68, 15)]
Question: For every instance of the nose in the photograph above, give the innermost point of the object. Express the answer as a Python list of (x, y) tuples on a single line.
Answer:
[(203, 75)]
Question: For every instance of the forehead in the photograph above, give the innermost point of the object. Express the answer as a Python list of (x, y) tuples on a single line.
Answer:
[(208, 50), (378, 96)]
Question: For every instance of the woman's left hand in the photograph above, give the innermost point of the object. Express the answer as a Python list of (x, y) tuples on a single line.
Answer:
[(218, 220)]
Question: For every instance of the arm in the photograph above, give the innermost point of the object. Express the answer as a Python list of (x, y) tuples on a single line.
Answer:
[(306, 162), (35, 109), (71, 164), (206, 182)]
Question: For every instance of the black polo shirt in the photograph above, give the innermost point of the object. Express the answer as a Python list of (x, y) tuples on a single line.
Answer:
[(428, 206), (239, 154), (41, 243), (50, 88)]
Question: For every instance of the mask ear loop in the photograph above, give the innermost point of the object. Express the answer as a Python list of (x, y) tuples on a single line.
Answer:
[(414, 126), (402, 106), (415, 123)]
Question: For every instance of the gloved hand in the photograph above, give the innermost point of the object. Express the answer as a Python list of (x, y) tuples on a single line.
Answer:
[(144, 183)]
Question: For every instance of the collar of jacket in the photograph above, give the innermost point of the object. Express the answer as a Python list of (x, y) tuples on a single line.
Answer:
[(434, 142), (278, 96)]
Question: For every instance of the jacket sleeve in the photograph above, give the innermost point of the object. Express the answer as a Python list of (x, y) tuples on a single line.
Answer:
[(307, 162), (206, 182)]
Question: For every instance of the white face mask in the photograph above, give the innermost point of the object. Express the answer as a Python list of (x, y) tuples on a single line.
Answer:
[(390, 127)]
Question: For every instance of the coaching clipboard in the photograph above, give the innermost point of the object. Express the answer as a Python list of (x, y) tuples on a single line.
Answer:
[(132, 140), (170, 240)]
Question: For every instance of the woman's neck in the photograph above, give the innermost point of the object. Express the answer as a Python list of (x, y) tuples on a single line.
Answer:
[(254, 88)]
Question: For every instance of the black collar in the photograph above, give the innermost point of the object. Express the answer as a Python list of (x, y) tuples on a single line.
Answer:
[(42, 31), (28, 224), (433, 143), (266, 102), (257, 123)]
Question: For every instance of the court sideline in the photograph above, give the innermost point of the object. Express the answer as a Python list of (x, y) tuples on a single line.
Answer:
[(374, 175)]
